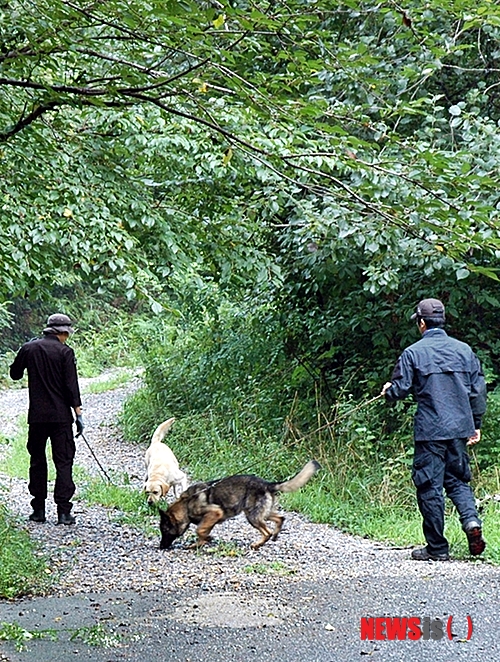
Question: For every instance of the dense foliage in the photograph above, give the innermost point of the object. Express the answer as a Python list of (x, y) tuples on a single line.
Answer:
[(315, 152), (313, 167)]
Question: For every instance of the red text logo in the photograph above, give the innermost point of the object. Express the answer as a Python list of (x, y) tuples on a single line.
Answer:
[(408, 627)]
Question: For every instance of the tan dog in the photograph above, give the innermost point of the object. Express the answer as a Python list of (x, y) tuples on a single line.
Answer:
[(206, 504), (162, 467)]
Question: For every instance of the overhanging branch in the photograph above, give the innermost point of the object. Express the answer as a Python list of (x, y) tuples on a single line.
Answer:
[(26, 120)]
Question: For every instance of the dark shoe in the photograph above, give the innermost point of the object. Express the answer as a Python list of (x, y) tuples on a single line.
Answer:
[(65, 518), (37, 516), (423, 555), (475, 538)]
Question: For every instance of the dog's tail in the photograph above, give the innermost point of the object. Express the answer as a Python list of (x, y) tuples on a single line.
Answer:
[(300, 479), (162, 430)]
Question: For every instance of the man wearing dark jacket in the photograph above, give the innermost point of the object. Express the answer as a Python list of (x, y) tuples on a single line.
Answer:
[(53, 393), (444, 376)]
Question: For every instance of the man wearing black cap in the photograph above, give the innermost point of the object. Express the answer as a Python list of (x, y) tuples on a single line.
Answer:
[(53, 393), (444, 376)]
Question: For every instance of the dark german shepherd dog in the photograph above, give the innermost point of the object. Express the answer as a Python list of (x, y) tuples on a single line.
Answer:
[(206, 504)]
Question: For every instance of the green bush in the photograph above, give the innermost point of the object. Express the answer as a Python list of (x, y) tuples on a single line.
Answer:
[(233, 363), (108, 334)]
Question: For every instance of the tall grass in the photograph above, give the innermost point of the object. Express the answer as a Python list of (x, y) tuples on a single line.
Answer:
[(16, 460), (108, 344), (107, 336), (127, 503), (23, 567)]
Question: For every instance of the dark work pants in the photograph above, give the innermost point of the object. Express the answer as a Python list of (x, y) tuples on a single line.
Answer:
[(63, 453), (438, 465)]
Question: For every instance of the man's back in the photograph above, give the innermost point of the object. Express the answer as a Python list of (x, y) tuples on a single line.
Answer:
[(52, 379), (445, 377)]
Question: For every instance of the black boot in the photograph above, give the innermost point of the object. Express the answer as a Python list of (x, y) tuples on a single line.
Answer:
[(38, 515), (422, 554), (65, 518)]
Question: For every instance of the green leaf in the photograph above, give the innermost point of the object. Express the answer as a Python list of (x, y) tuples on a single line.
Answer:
[(462, 273)]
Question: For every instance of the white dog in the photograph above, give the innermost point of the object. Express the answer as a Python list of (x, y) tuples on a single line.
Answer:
[(162, 467)]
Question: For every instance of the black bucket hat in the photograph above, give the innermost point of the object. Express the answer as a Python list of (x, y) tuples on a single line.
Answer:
[(59, 323)]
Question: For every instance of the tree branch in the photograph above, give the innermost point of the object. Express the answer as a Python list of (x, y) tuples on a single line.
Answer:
[(28, 119)]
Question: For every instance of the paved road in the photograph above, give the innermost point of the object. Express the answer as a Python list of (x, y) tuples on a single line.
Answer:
[(299, 620)]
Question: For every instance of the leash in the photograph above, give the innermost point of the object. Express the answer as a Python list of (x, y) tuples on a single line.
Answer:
[(95, 457), (361, 405), (295, 441)]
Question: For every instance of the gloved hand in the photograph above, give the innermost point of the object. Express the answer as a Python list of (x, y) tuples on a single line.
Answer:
[(79, 425)]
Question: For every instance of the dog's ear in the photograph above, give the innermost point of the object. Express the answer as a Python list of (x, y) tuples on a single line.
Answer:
[(164, 489)]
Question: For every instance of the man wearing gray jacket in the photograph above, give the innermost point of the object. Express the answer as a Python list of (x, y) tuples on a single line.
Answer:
[(445, 377)]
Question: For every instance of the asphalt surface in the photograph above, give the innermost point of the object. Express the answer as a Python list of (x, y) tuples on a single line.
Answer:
[(308, 621)]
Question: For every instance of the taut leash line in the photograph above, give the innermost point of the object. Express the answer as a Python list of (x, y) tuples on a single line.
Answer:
[(344, 415), (95, 457), (361, 405)]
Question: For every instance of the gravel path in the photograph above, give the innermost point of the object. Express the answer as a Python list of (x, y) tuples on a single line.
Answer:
[(102, 552), (313, 579)]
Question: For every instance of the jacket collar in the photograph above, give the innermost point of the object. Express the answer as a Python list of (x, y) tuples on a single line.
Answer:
[(434, 332), (50, 336)]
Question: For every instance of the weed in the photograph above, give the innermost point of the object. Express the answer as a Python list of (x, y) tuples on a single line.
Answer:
[(15, 462), (5, 361), (272, 568), (93, 635), (107, 341), (22, 567), (15, 633), (129, 503), (97, 635)]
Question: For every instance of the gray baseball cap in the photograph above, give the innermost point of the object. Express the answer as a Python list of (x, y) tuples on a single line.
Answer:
[(59, 323), (430, 309)]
